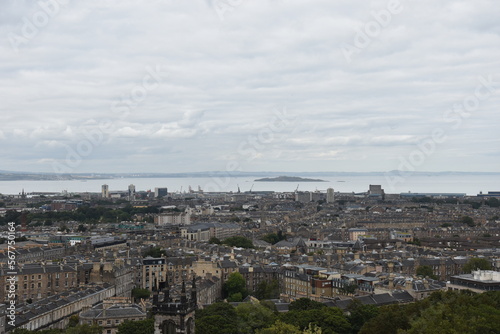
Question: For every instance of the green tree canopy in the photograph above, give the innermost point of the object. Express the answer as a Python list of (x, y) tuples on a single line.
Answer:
[(254, 316), (218, 318), (238, 241), (146, 326), (273, 238), (280, 327), (266, 290), (214, 240), (475, 264), (84, 329), (442, 312), (468, 221), (426, 271), (305, 304), (155, 252), (359, 314), (235, 287), (139, 293), (493, 202), (331, 320)]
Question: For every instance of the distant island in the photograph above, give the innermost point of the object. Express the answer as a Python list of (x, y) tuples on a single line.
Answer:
[(288, 179)]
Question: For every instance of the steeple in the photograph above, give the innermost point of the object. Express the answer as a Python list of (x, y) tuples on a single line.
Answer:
[(155, 293), (166, 291), (193, 291), (183, 293)]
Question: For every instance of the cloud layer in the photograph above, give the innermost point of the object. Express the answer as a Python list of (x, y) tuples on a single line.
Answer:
[(174, 86)]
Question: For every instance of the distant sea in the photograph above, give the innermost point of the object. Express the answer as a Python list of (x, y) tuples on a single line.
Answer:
[(471, 184)]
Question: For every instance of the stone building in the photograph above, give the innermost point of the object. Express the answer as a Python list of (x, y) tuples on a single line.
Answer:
[(112, 312), (174, 316)]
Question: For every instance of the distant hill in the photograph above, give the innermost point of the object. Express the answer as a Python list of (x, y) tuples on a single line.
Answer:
[(288, 179)]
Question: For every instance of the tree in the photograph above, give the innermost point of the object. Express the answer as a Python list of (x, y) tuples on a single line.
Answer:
[(267, 290), (254, 316), (331, 320), (214, 240), (146, 326), (359, 314), (279, 327), (73, 321), (235, 285), (303, 304), (273, 238), (467, 220), (84, 329), (493, 202), (270, 305), (215, 324), (444, 312), (426, 271), (349, 288), (218, 318), (155, 252), (139, 293), (475, 264), (82, 228), (238, 241)]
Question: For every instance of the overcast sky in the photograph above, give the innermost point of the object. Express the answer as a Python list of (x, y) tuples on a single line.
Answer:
[(261, 85)]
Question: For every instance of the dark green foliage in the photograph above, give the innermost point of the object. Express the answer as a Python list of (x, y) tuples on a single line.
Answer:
[(73, 321), (139, 293), (133, 327), (304, 304), (45, 331), (267, 290), (77, 329), (84, 329), (215, 324), (424, 199), (214, 240), (279, 327), (330, 319), (270, 305), (254, 316), (218, 318), (155, 252), (443, 312), (415, 241), (11, 216), (238, 241), (467, 220), (389, 320), (426, 271), (273, 238), (235, 287), (359, 314), (475, 264), (349, 288), (493, 202), (84, 214)]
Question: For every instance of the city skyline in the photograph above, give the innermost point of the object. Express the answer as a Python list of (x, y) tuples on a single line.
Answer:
[(249, 86)]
